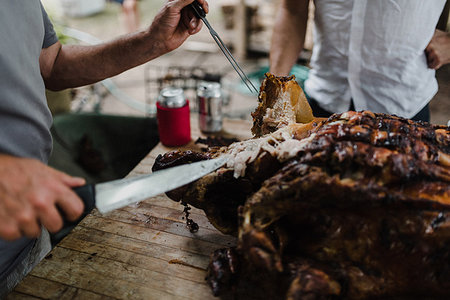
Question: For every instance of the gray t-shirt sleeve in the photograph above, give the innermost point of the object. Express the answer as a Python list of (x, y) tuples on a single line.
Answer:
[(50, 35)]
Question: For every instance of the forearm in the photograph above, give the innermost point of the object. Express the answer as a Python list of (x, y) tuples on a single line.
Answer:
[(288, 36), (438, 50), (77, 65), (72, 66)]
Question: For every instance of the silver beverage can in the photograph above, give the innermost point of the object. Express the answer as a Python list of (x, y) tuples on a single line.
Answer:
[(172, 97), (209, 101)]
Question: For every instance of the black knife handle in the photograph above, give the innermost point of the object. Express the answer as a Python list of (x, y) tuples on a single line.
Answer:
[(198, 9), (87, 194)]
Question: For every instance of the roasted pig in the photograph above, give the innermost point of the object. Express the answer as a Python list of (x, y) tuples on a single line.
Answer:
[(355, 206)]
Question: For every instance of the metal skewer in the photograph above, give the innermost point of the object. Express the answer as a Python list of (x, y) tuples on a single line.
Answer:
[(198, 9)]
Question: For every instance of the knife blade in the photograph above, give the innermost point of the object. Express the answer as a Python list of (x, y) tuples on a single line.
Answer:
[(119, 193)]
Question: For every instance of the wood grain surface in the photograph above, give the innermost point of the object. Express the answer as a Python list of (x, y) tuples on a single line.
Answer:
[(143, 251)]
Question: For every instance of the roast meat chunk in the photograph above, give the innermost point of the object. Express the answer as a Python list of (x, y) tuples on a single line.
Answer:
[(356, 206)]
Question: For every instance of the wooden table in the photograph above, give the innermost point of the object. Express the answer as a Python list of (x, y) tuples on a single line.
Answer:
[(143, 251)]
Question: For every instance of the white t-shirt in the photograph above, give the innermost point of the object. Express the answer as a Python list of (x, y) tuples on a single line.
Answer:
[(372, 51)]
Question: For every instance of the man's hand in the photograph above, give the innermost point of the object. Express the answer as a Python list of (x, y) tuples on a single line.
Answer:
[(438, 50), (31, 194), (175, 22)]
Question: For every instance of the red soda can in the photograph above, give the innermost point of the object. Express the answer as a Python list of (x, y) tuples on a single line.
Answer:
[(172, 113)]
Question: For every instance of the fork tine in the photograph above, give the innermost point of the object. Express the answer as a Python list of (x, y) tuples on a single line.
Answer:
[(226, 52), (233, 62), (236, 68)]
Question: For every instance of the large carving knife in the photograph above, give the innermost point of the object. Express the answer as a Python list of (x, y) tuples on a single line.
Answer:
[(119, 193)]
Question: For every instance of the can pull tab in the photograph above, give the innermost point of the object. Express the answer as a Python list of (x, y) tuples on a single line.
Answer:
[(198, 9)]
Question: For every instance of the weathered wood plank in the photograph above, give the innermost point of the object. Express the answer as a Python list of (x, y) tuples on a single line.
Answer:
[(33, 286), (111, 241), (19, 296), (174, 267), (174, 214), (176, 228), (145, 218), (149, 234), (115, 279)]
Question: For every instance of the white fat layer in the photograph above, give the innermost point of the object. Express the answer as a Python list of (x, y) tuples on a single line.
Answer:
[(338, 122), (346, 115), (279, 144), (282, 112)]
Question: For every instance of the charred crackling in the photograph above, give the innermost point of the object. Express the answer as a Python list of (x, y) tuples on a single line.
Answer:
[(369, 253), (177, 158), (223, 270), (309, 282)]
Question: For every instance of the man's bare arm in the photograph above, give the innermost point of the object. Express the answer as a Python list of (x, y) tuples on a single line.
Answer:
[(288, 36), (75, 65)]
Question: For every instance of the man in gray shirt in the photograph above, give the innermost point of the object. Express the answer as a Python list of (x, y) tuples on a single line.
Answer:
[(32, 59)]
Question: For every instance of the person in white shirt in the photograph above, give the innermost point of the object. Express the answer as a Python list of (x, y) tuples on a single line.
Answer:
[(367, 55)]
